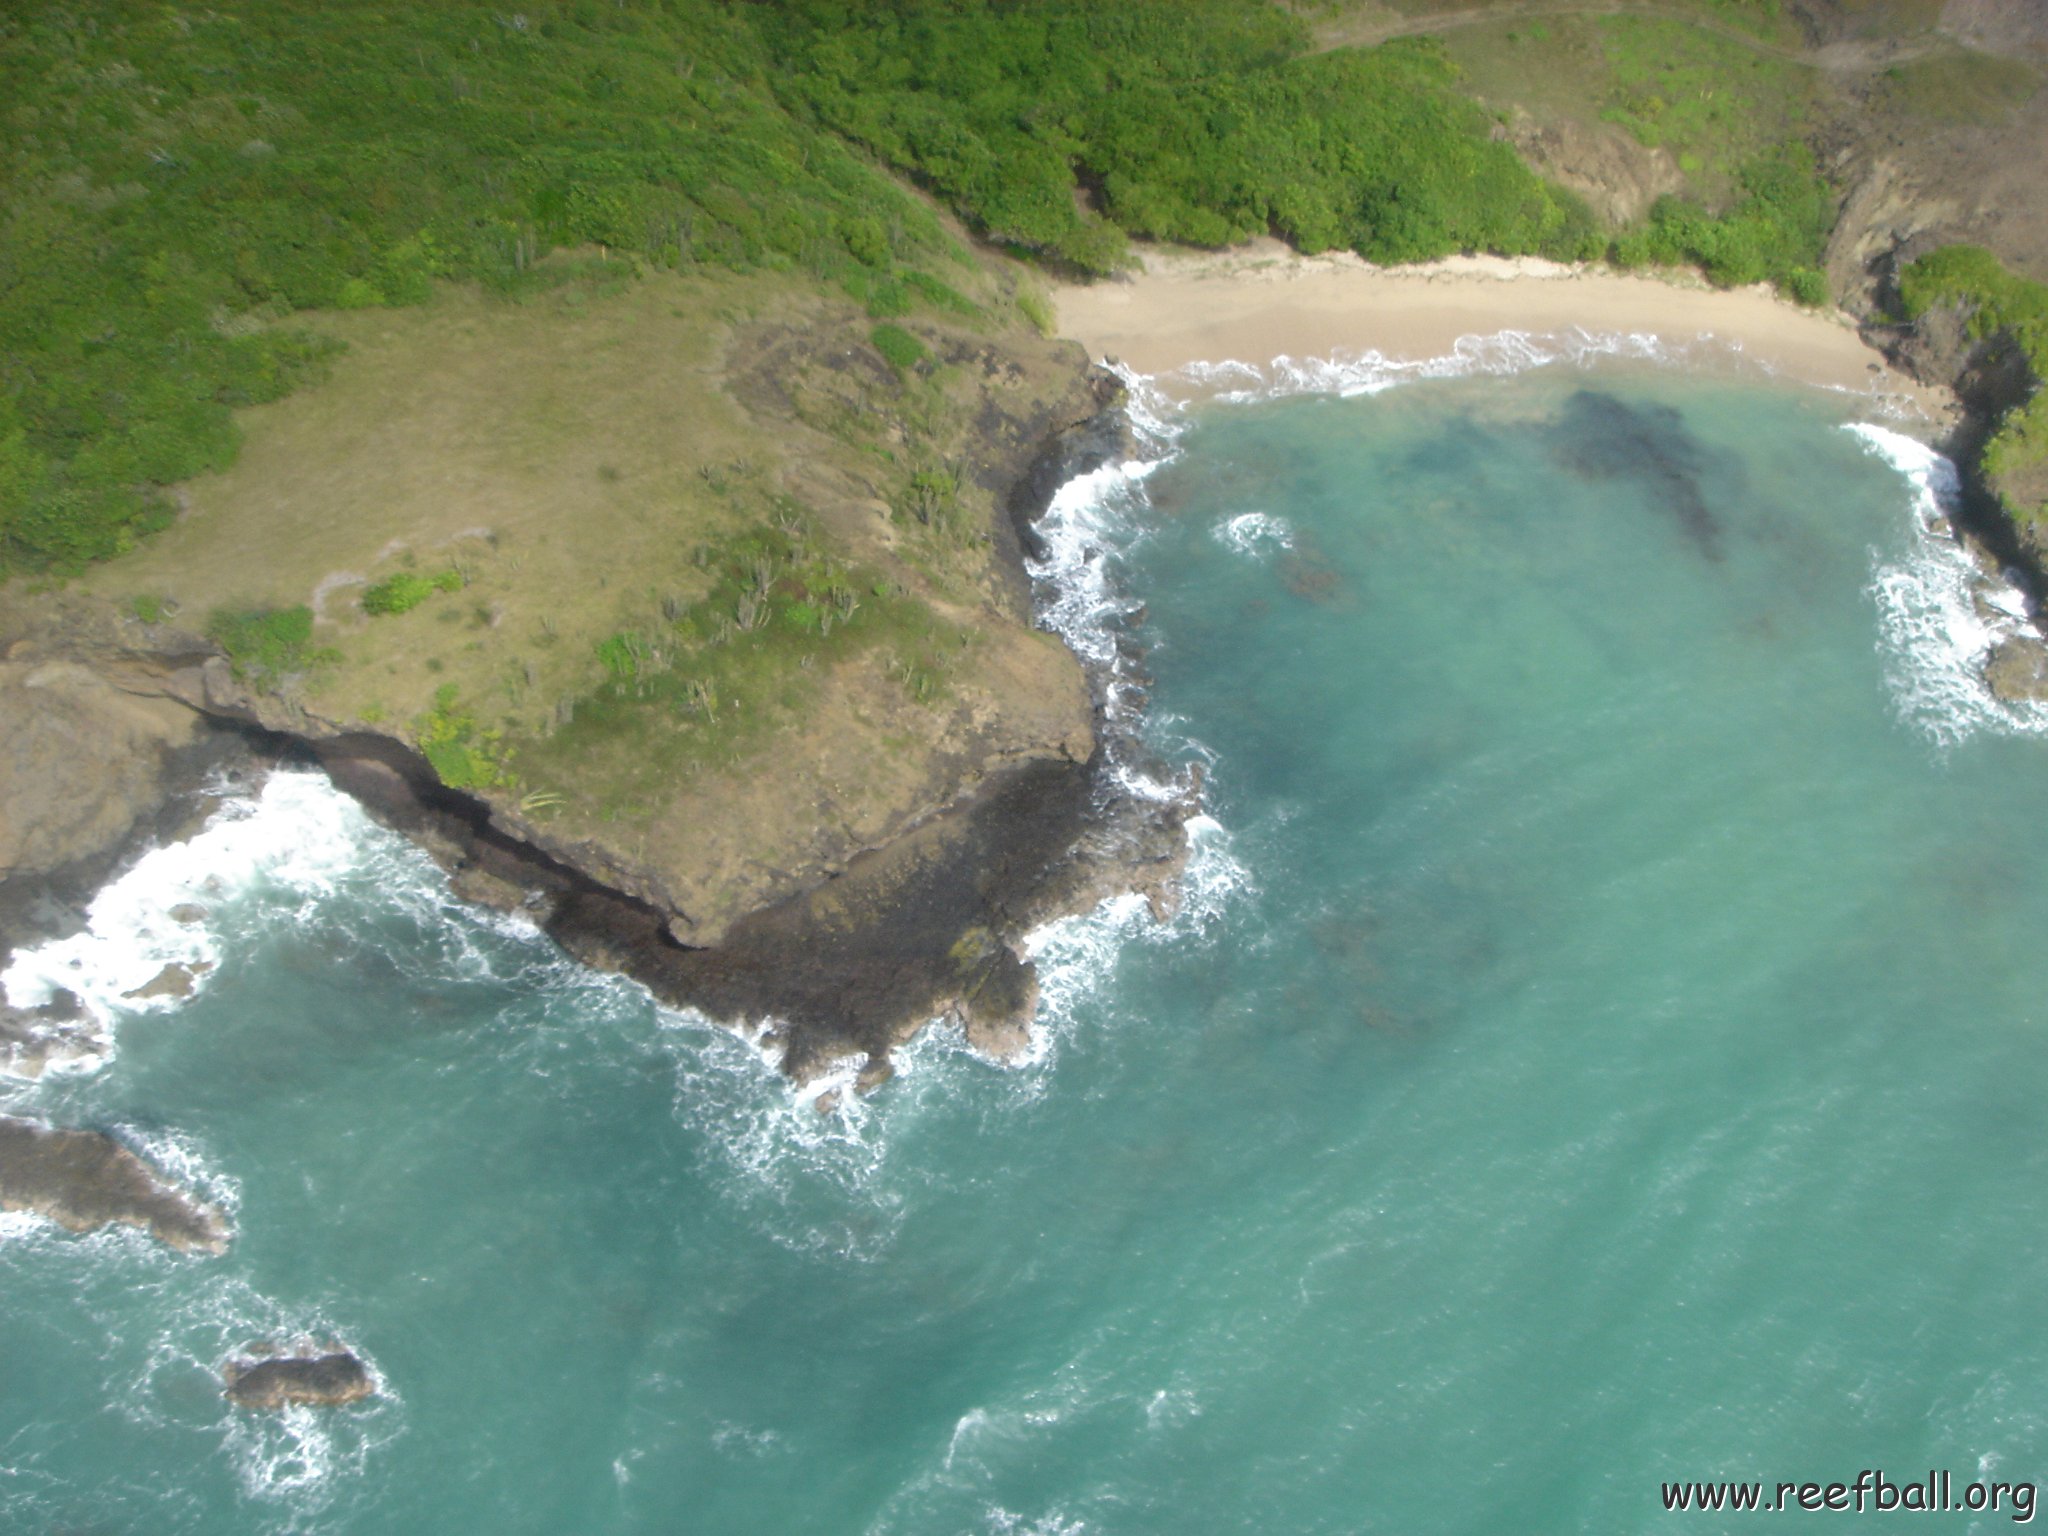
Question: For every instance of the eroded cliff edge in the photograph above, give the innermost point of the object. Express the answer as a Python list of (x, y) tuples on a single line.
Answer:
[(864, 856)]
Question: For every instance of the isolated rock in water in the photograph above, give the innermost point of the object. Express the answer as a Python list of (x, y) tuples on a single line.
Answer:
[(2017, 669), (83, 1181), (174, 980), (284, 1381)]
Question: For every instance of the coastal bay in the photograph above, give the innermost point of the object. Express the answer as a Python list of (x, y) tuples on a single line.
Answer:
[(1039, 769), (1532, 933)]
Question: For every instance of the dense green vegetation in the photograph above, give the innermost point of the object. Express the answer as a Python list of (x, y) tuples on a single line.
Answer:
[(266, 644), (1973, 279), (1776, 232), (903, 350), (178, 184), (1998, 300), (463, 754), (1201, 121)]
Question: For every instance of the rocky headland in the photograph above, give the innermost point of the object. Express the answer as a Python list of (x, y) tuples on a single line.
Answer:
[(838, 897), (837, 892)]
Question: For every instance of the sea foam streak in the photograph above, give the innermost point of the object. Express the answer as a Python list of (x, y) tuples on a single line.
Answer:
[(1348, 373), (1253, 534), (293, 845), (1090, 530), (1939, 613), (298, 832)]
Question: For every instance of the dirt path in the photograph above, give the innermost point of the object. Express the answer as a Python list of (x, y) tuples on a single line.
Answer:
[(1836, 58)]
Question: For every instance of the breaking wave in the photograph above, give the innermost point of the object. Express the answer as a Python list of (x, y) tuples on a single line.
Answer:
[(157, 935), (1351, 373), (1253, 534), (1941, 614)]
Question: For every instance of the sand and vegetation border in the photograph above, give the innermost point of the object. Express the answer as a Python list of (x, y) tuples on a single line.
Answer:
[(1264, 302)]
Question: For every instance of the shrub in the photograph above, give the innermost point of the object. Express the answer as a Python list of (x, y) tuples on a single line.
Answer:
[(462, 756), (903, 350), (406, 591), (1037, 308), (1997, 299), (1807, 286), (1202, 121), (264, 644), (1776, 232), (620, 656)]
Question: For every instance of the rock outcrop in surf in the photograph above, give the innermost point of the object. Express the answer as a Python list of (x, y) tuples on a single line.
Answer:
[(330, 1378), (84, 1181)]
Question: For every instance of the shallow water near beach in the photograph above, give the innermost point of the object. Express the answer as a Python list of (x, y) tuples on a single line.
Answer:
[(1602, 1045)]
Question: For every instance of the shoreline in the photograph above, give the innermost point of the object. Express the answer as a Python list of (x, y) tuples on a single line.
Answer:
[(1188, 311)]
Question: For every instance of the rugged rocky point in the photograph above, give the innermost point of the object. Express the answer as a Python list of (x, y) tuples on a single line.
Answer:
[(760, 898), (83, 1181)]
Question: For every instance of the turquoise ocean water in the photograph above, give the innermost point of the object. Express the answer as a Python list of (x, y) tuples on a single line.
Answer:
[(1603, 1045)]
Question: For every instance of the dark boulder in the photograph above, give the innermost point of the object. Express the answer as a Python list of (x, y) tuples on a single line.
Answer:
[(326, 1380)]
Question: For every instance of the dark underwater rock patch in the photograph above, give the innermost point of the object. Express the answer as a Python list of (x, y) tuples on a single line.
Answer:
[(1604, 438)]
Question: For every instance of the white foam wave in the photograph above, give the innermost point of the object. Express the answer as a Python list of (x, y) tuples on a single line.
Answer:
[(1092, 523), (809, 1171), (1352, 373), (29, 1232), (281, 853), (1252, 534), (298, 1456), (1076, 956), (30, 1238), (179, 1158), (1091, 528), (1939, 613), (993, 1443), (157, 922), (814, 1158)]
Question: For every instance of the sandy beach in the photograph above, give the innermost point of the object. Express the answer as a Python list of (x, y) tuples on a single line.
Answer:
[(1262, 302)]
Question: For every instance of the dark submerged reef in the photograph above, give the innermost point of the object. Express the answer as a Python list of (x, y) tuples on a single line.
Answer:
[(1600, 437)]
